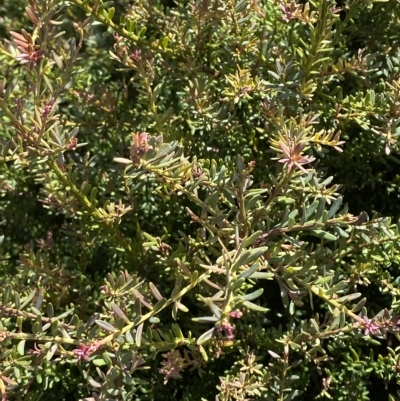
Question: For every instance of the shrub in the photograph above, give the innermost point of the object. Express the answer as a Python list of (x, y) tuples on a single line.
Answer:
[(173, 224)]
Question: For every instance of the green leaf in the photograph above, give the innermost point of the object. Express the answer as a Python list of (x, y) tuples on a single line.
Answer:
[(205, 319), (165, 336), (321, 208), (177, 331), (36, 311), (349, 297), (214, 308), (156, 336), (285, 200), (94, 383), (51, 352), (164, 42), (99, 362), (208, 335), (10, 88), (139, 333), (324, 235), (313, 207), (107, 359), (159, 305), (236, 283), (274, 354), (128, 336), (21, 347), (177, 288), (359, 305), (254, 307), (64, 314), (111, 13), (253, 295), (252, 202), (35, 328), (249, 272), (28, 300), (182, 307), (335, 207), (50, 310), (106, 326), (194, 277), (119, 312), (142, 32), (93, 194), (17, 301), (122, 160), (248, 257), (263, 276), (155, 291), (105, 5), (250, 240), (340, 232)]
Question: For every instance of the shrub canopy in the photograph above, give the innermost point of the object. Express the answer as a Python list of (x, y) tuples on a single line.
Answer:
[(199, 200)]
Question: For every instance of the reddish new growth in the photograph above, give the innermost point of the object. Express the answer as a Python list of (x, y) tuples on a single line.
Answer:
[(47, 109), (370, 326), (84, 351), (294, 158), (291, 11), (28, 52), (35, 350), (73, 143), (172, 366), (139, 146), (300, 12), (135, 55)]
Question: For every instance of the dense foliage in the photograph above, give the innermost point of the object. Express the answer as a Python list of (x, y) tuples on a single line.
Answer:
[(199, 200)]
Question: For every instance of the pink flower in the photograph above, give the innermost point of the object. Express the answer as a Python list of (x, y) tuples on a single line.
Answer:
[(228, 330), (237, 314), (84, 351)]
